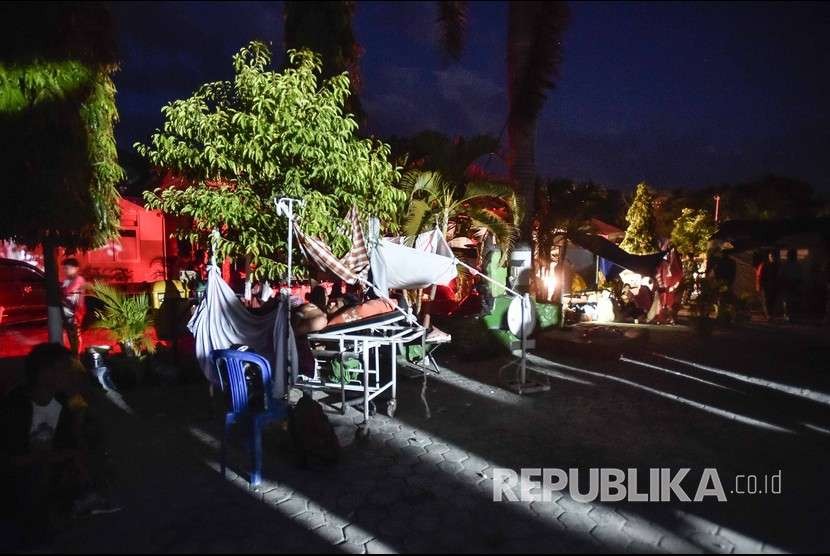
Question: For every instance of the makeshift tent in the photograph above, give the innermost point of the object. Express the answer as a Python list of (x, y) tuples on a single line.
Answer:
[(598, 245), (221, 321)]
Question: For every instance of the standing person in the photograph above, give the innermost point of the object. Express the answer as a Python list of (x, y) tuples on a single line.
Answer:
[(74, 306)]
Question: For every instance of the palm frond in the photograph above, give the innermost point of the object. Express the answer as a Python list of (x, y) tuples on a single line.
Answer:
[(417, 218), (504, 233), (487, 188), (415, 181), (127, 317)]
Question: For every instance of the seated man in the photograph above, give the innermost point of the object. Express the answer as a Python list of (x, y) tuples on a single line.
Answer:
[(310, 316), (43, 451)]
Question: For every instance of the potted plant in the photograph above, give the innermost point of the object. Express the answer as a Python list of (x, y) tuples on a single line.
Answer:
[(128, 319)]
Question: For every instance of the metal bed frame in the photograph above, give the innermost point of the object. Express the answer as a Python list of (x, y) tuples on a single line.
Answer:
[(363, 340)]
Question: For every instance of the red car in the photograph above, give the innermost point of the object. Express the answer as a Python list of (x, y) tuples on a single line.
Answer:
[(22, 293)]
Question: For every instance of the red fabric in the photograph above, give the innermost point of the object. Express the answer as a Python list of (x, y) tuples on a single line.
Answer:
[(669, 271)]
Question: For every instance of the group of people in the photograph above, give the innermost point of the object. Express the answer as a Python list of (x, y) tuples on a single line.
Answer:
[(783, 285)]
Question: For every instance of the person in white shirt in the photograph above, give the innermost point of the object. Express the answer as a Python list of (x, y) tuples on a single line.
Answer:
[(44, 455)]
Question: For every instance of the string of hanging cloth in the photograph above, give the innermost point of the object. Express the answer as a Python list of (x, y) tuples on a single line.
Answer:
[(393, 264)]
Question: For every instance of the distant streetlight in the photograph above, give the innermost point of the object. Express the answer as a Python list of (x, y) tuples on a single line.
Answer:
[(717, 207)]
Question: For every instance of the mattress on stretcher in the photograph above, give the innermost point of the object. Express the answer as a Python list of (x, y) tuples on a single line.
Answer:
[(368, 322)]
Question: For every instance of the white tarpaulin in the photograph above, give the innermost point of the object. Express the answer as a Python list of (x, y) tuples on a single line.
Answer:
[(221, 321), (396, 266)]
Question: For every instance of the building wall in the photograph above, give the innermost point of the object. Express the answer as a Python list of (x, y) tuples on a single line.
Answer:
[(138, 255)]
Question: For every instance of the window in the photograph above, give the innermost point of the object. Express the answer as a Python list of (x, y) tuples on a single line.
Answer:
[(129, 245), (125, 248)]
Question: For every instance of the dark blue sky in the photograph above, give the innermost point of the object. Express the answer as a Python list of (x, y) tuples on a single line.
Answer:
[(675, 94)]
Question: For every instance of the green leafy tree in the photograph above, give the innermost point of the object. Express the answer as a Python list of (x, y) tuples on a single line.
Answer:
[(640, 235), (265, 135), (690, 235), (691, 232), (57, 111)]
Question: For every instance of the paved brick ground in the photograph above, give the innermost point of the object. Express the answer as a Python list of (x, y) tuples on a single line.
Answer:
[(415, 484)]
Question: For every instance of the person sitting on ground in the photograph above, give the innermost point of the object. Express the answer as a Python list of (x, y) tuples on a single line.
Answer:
[(44, 448), (644, 297)]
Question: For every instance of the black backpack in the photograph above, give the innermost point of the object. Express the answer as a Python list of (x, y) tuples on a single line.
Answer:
[(312, 433)]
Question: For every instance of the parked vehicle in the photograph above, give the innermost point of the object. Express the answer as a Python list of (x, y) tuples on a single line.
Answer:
[(22, 293)]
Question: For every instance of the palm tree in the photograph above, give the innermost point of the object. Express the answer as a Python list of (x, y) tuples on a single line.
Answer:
[(326, 28), (534, 53), (446, 187), (482, 205), (478, 204)]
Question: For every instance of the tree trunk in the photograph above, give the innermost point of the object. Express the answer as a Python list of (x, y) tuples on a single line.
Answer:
[(521, 126), (54, 308), (521, 129), (522, 137)]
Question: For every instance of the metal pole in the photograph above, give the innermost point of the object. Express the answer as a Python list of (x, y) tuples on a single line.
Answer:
[(477, 272), (523, 364), (285, 207), (290, 240)]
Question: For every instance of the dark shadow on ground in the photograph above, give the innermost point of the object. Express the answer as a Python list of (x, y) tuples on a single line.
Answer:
[(173, 502)]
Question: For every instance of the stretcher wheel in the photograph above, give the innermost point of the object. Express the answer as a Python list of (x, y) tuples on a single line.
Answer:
[(391, 406), (373, 409)]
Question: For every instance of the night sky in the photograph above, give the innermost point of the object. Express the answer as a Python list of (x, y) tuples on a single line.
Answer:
[(675, 94)]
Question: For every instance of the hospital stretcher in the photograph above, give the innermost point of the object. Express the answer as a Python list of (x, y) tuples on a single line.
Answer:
[(366, 345)]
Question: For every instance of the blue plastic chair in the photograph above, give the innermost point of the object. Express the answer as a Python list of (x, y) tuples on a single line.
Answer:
[(231, 367)]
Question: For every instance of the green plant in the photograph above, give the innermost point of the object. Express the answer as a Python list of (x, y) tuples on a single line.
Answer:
[(690, 235), (479, 204), (640, 235), (266, 135), (126, 317)]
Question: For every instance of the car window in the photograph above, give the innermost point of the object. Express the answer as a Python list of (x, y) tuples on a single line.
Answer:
[(18, 273)]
